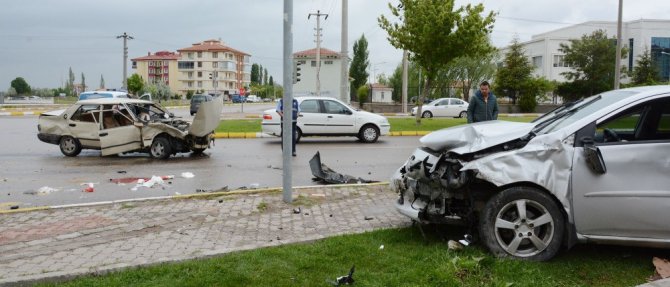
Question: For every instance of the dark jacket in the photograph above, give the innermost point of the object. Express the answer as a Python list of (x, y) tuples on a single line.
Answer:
[(479, 111), (296, 109)]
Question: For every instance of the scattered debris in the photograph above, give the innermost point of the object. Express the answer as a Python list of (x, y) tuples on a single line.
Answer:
[(297, 210), (454, 245), (121, 171), (662, 269), (368, 218), (346, 279), (187, 174), (223, 189), (324, 174), (254, 186), (177, 193), (467, 240), (14, 207), (381, 247), (318, 195), (136, 179), (41, 191), (155, 180), (88, 187)]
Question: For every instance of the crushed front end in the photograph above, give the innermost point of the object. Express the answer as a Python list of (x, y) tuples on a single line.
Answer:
[(433, 189)]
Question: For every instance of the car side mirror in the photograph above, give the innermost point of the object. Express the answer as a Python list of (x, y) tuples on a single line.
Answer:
[(594, 158), (348, 112)]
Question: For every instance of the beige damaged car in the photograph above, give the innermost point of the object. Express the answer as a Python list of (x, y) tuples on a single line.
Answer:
[(116, 125)]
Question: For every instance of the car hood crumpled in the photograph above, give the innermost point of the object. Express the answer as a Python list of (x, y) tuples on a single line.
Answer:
[(207, 118), (471, 138)]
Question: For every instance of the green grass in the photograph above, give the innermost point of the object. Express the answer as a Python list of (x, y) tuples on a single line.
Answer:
[(246, 126), (397, 124), (406, 260)]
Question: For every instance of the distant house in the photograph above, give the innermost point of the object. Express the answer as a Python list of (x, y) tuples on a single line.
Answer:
[(329, 74), (381, 93)]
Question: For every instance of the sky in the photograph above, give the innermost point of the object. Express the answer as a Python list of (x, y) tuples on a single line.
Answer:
[(40, 40)]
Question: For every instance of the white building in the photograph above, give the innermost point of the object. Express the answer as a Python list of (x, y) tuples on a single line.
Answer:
[(543, 49), (381, 93), (329, 75)]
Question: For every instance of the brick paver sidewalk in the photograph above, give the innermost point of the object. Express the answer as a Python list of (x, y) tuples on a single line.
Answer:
[(66, 242)]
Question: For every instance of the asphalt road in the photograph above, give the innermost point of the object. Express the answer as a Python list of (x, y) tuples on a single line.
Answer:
[(27, 165)]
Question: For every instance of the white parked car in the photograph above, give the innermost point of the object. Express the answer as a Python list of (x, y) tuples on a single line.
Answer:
[(323, 116), (444, 107), (117, 125)]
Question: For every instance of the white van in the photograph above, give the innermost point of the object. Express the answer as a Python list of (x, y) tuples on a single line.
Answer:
[(102, 94)]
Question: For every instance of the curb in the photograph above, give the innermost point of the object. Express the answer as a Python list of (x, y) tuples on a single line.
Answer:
[(186, 196)]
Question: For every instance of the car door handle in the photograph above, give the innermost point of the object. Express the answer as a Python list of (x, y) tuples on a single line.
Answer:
[(103, 134), (300, 116), (330, 117), (72, 125)]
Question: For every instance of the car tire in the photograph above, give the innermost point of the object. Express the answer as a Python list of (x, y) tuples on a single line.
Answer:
[(160, 148), (69, 146), (427, 114), (523, 223), (198, 150), (192, 113), (368, 134), (463, 114)]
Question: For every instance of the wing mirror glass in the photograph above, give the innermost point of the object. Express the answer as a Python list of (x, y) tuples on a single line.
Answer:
[(594, 158)]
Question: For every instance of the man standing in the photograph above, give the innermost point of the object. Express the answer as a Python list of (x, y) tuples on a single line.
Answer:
[(483, 105), (296, 113)]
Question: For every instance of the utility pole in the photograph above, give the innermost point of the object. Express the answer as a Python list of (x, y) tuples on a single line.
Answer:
[(125, 37), (318, 48), (617, 66), (287, 133), (405, 68), (344, 54)]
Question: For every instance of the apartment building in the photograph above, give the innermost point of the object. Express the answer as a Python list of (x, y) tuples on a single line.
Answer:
[(213, 67), (160, 67)]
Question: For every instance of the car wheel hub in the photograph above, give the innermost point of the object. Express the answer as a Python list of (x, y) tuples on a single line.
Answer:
[(524, 228), (369, 134)]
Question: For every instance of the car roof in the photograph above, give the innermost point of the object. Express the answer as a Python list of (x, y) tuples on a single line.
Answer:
[(302, 98), (114, 101)]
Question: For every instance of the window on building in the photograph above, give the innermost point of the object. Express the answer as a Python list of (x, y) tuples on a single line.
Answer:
[(630, 54), (327, 62), (199, 54), (190, 55), (559, 61), (660, 55), (189, 75), (302, 62), (185, 65), (199, 84), (313, 63), (382, 95), (215, 65), (199, 64), (190, 84), (215, 54), (537, 62), (199, 74)]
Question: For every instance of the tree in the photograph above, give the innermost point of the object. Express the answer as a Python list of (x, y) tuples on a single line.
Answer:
[(265, 77), (83, 82), (135, 84), (362, 94), (645, 72), (70, 81), (260, 74), (102, 82), (592, 59), (435, 34), (20, 86), (272, 82), (359, 65), (514, 73), (254, 73)]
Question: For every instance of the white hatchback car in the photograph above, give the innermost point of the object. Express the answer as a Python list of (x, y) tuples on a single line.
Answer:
[(324, 116), (444, 107)]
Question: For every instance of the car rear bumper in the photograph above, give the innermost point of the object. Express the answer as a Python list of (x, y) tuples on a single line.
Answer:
[(271, 128), (49, 138)]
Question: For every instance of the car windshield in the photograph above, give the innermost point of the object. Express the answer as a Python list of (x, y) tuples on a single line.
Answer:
[(198, 99), (580, 110)]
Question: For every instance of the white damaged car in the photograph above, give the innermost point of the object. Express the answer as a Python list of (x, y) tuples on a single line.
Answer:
[(591, 171), (117, 125)]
